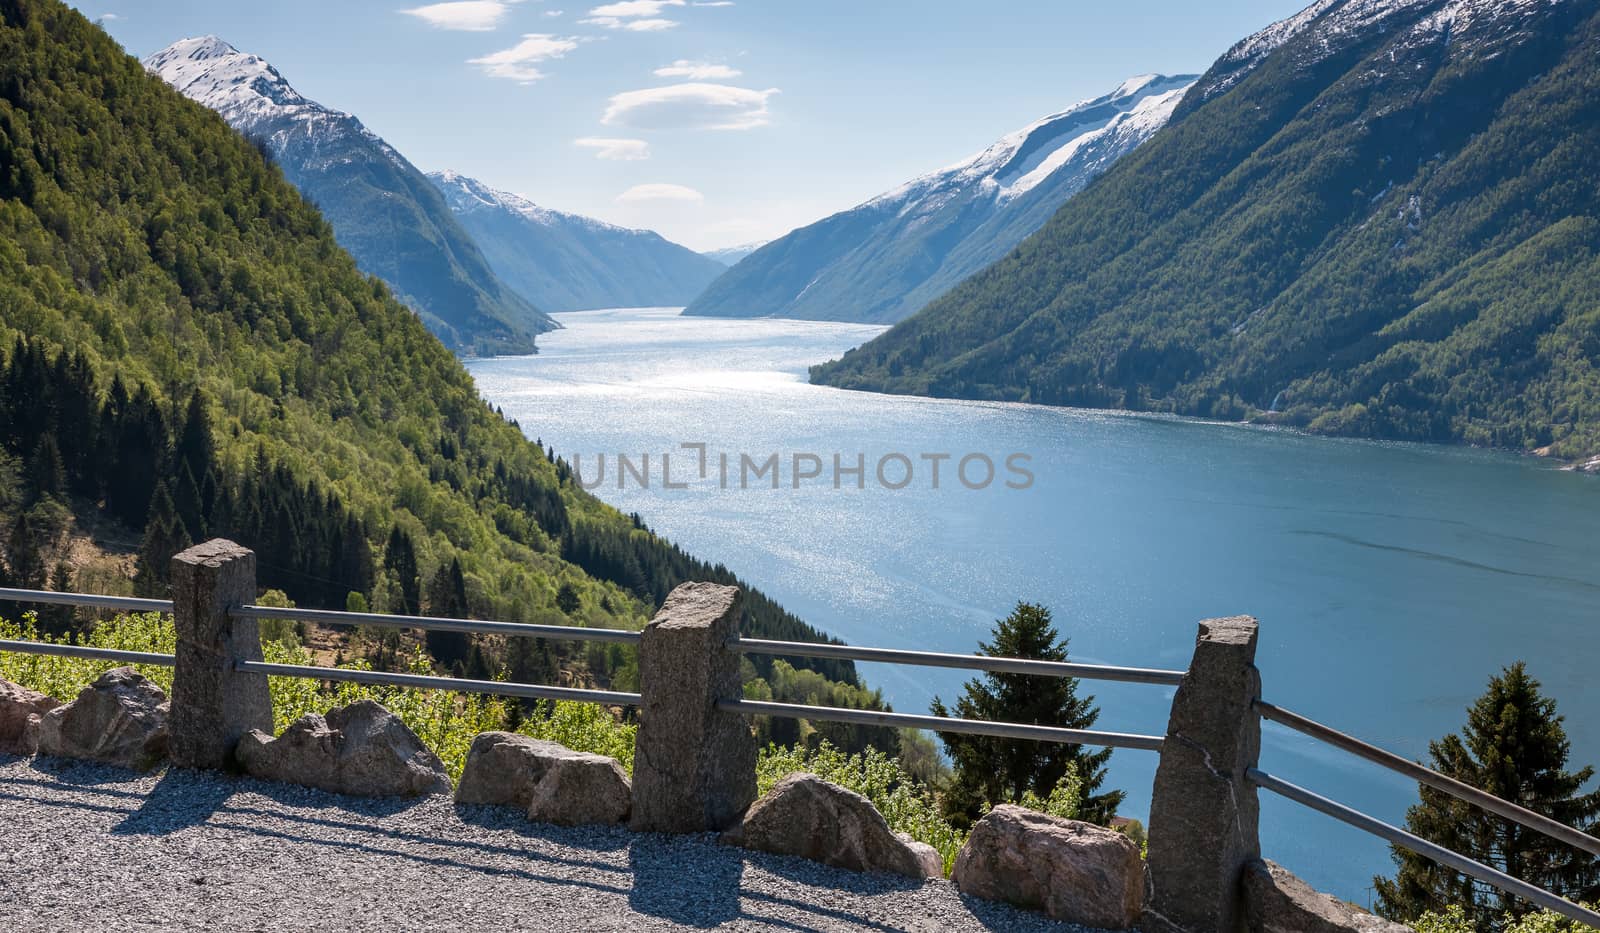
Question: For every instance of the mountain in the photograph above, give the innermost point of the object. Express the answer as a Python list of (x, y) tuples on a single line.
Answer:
[(188, 352), (382, 209), (566, 262), (1377, 218), (730, 255), (883, 260)]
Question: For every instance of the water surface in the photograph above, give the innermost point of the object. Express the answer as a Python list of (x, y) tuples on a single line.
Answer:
[(1391, 580)]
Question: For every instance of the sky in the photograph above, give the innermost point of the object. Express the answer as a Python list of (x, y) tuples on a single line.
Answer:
[(716, 123)]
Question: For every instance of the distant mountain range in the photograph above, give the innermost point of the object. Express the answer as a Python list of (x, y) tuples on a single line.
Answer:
[(884, 260), (1377, 217), (382, 209), (730, 255), (566, 262)]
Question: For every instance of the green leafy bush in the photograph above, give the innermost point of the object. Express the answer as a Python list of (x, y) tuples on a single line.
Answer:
[(909, 806)]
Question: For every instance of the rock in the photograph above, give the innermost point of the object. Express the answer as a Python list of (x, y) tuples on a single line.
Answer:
[(1075, 872), (806, 816), (1278, 902), (1203, 813), (927, 856), (361, 749), (694, 768), (553, 783), (580, 788), (120, 719), (20, 712)]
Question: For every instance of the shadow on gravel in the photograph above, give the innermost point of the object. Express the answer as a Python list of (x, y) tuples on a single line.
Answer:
[(181, 799), (84, 773), (694, 883), (511, 820)]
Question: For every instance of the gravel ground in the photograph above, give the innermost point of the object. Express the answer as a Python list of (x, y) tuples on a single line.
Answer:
[(87, 847)]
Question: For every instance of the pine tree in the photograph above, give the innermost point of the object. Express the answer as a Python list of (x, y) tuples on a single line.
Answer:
[(46, 472), (447, 599), (996, 770), (1514, 747), (400, 559), (567, 598), (164, 536), (25, 555)]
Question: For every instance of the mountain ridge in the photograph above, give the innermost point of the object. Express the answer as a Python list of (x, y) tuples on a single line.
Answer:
[(1346, 216), (885, 258), (382, 208), (571, 262)]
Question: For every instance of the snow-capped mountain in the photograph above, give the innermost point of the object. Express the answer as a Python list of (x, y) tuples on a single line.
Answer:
[(568, 262), (730, 255), (382, 209), (883, 260)]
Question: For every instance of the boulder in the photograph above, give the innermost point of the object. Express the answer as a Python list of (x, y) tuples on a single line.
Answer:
[(806, 816), (1073, 871), (20, 712), (120, 719), (553, 783), (360, 749), (1278, 902), (927, 856), (579, 788)]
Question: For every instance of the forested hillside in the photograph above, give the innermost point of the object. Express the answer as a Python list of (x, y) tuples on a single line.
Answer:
[(187, 352), (1375, 219)]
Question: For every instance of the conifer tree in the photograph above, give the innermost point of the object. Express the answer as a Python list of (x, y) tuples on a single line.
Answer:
[(447, 598), (47, 472), (1513, 746), (25, 555), (164, 536), (992, 770), (400, 559)]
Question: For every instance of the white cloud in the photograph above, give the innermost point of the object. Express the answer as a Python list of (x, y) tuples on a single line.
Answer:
[(518, 62), (690, 106), (463, 15), (633, 15), (628, 8), (659, 192), (715, 3), (615, 150), (697, 71), (554, 12)]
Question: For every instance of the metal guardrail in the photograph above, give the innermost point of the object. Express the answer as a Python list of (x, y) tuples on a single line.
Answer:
[(85, 651), (452, 684), (1422, 775), (1397, 836), (1004, 730), (976, 662), (86, 600), (474, 626)]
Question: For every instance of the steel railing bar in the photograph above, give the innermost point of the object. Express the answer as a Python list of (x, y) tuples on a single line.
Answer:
[(1138, 675), (84, 651), (451, 684), (87, 600), (1003, 730), (1397, 836), (476, 626), (1487, 801)]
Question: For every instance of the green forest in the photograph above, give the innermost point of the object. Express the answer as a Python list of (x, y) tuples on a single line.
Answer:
[(188, 353), (1396, 235)]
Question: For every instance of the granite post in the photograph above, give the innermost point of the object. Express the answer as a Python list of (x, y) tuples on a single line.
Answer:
[(694, 766), (212, 704), (1203, 813)]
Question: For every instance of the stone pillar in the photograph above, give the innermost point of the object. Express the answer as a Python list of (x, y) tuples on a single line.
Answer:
[(1203, 813), (694, 766), (213, 705)]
